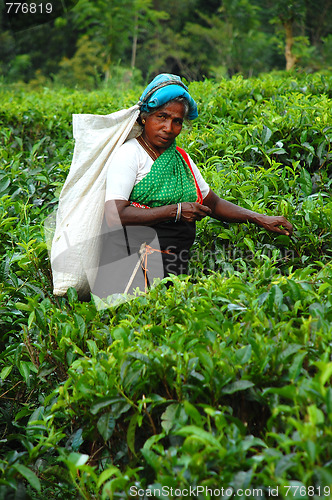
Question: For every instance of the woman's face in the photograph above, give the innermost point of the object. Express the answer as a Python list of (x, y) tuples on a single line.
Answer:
[(163, 126)]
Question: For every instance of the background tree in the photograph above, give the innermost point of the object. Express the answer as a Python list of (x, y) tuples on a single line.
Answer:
[(290, 15), (233, 41), (106, 23), (193, 38)]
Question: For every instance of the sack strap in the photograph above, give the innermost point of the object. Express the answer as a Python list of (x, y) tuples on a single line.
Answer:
[(160, 86), (144, 251), (186, 159)]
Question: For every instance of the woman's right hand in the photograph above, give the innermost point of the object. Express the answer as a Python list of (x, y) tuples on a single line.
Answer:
[(120, 212), (191, 212)]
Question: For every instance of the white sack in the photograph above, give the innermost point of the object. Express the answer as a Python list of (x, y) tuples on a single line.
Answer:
[(76, 243)]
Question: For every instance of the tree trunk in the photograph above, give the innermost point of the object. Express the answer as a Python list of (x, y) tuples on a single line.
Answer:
[(107, 73), (291, 60)]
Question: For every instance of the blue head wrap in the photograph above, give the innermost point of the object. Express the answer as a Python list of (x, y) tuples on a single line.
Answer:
[(163, 89)]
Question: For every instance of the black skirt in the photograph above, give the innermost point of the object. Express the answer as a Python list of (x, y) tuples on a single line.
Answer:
[(167, 253)]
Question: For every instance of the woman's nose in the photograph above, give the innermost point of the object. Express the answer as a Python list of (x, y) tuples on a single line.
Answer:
[(168, 125)]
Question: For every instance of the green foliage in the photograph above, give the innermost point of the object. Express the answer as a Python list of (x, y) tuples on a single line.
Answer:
[(84, 68), (85, 44), (222, 379)]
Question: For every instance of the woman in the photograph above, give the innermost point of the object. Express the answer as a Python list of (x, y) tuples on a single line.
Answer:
[(152, 184)]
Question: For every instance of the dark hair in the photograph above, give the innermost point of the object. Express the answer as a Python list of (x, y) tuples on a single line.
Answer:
[(181, 99)]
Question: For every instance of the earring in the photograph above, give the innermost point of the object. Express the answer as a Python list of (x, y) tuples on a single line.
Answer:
[(143, 121)]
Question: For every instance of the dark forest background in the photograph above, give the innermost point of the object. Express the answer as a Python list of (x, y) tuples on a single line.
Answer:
[(93, 42)]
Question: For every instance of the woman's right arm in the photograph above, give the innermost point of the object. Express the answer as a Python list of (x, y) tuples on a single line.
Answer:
[(122, 212), (121, 179)]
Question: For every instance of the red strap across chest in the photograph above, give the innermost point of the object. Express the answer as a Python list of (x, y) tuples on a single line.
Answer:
[(186, 159)]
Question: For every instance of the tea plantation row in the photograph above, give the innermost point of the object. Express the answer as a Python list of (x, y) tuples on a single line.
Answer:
[(219, 386)]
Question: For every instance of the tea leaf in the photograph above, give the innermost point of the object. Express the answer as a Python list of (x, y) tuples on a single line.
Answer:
[(131, 431), (239, 385), (305, 182), (106, 425), (243, 355), (29, 475), (77, 440), (266, 135), (106, 474), (200, 434)]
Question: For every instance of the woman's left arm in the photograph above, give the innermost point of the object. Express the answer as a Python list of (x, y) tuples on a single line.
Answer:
[(226, 211)]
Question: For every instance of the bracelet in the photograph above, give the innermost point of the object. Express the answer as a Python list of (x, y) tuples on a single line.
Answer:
[(178, 212)]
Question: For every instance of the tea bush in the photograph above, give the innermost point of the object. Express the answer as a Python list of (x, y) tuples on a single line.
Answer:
[(221, 381)]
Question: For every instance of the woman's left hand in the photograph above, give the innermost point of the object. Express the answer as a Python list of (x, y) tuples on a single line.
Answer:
[(275, 224), (226, 211)]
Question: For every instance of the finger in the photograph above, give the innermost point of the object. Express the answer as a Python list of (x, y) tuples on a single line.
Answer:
[(202, 216), (276, 229), (282, 231), (205, 209), (288, 228), (286, 224)]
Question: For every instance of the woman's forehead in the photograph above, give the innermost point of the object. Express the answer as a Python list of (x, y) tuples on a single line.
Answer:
[(175, 109)]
